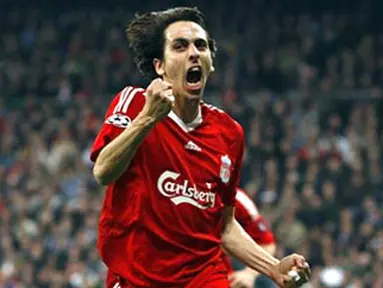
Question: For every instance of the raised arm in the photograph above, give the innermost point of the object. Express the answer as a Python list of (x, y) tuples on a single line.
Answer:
[(115, 157)]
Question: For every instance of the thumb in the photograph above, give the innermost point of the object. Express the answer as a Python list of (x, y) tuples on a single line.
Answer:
[(300, 262)]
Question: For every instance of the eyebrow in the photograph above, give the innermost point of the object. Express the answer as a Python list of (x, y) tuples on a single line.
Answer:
[(183, 40)]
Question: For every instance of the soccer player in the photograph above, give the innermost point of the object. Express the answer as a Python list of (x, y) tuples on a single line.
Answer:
[(171, 164), (247, 215)]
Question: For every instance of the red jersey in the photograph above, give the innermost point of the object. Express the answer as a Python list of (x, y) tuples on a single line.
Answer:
[(247, 214), (161, 221)]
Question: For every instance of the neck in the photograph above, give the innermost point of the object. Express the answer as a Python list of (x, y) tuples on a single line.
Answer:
[(186, 109)]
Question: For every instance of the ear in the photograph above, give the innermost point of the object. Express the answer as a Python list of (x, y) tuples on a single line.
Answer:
[(158, 67)]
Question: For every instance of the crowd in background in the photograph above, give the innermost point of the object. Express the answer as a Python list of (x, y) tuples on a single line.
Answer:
[(313, 163)]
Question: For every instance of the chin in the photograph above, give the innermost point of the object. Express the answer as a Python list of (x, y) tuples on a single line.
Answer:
[(194, 94)]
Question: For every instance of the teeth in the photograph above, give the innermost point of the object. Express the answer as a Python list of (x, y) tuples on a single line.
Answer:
[(195, 69)]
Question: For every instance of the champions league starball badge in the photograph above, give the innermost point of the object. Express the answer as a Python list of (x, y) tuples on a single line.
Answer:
[(118, 120)]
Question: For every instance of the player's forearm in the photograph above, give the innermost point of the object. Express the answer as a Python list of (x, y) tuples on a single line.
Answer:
[(269, 248), (240, 245), (115, 158)]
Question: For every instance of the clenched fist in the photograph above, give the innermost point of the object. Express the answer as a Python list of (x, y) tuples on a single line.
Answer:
[(159, 99), (292, 271)]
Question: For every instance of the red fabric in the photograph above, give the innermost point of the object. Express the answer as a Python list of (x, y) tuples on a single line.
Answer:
[(161, 221), (112, 280), (213, 276), (218, 283)]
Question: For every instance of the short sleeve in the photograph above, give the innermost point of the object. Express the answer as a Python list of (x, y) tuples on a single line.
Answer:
[(230, 191), (124, 108)]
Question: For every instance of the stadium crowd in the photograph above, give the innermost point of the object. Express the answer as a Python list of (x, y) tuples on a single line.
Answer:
[(313, 162)]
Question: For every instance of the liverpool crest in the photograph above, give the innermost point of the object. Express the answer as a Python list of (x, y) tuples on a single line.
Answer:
[(224, 174)]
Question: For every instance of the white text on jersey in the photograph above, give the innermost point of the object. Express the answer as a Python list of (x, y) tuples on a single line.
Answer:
[(185, 192)]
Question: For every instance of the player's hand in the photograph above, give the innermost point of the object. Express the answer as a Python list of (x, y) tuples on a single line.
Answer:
[(242, 279), (292, 271), (159, 99)]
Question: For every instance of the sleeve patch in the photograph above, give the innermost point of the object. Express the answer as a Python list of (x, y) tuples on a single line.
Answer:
[(118, 120)]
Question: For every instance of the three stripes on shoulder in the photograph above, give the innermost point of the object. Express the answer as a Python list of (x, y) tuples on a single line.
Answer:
[(118, 117)]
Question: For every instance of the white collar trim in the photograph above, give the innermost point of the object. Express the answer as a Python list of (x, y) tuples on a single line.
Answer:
[(187, 127)]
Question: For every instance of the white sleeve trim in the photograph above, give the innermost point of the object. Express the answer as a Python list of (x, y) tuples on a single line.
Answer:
[(247, 203)]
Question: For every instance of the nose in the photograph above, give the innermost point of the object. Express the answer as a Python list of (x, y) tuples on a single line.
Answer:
[(193, 53)]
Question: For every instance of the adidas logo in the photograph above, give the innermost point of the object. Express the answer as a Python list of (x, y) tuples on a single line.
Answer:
[(192, 146)]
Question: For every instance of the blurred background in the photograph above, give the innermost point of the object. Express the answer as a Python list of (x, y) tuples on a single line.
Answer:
[(303, 77)]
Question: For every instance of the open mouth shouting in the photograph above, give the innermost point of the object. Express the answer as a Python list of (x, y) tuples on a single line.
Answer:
[(194, 79)]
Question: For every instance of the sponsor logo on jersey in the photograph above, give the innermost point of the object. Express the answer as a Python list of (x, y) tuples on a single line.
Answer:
[(184, 192), (118, 120), (224, 173)]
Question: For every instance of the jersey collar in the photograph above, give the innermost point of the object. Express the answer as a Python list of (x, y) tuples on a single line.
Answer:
[(187, 127)]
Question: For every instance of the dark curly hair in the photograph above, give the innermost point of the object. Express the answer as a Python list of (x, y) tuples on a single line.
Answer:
[(146, 35)]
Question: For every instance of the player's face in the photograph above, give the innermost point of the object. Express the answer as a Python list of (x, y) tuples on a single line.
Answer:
[(187, 60)]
